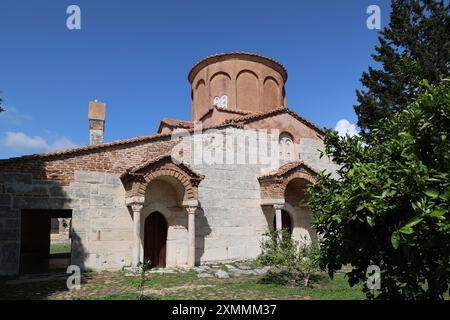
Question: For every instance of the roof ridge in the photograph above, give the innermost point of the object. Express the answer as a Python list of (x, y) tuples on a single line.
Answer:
[(133, 170), (113, 143), (257, 116), (287, 167)]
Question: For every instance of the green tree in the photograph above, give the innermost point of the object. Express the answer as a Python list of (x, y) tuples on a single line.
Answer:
[(390, 205), (415, 45)]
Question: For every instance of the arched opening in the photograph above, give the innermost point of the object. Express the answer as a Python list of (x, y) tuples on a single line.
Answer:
[(286, 222), (155, 240), (287, 148), (247, 91), (296, 199), (271, 92)]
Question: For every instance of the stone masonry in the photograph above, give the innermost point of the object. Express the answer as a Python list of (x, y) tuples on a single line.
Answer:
[(206, 211)]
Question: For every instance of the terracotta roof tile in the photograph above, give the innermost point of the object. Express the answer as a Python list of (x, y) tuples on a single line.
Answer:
[(286, 168), (258, 116), (147, 138), (240, 112), (166, 157), (175, 123)]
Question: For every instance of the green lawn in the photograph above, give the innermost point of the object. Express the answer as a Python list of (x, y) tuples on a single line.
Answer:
[(60, 248), (188, 286), (179, 284)]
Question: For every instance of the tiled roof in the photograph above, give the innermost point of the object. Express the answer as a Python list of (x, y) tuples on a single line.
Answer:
[(258, 116), (176, 123), (240, 112), (287, 168), (236, 122), (166, 157), (147, 138)]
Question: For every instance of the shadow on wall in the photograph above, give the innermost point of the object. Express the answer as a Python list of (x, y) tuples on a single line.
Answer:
[(27, 204), (202, 231)]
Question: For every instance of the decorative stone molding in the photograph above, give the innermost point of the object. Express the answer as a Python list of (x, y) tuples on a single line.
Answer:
[(271, 202), (136, 203), (279, 206)]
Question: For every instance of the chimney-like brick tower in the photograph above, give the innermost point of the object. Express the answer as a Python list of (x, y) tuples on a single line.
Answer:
[(97, 112)]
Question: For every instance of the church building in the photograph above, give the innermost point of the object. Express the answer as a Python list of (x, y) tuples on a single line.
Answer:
[(196, 191)]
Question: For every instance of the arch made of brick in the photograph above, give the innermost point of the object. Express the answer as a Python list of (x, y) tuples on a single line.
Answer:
[(296, 175), (181, 178), (190, 191), (275, 187)]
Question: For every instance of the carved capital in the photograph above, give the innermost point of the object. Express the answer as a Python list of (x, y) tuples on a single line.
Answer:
[(191, 209), (137, 207), (135, 203), (278, 206)]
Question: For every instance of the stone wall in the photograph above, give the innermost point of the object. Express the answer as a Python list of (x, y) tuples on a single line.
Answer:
[(232, 219), (102, 222), (101, 237)]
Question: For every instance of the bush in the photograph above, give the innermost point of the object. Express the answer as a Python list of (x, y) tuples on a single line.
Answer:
[(291, 262), (390, 206)]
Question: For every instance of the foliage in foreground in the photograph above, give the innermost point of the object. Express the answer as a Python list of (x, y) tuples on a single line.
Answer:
[(390, 206), (415, 45), (292, 262)]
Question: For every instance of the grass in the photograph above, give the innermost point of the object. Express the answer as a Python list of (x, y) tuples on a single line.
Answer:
[(56, 248), (173, 287), (179, 285)]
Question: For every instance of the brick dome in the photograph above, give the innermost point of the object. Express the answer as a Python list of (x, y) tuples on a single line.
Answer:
[(237, 81)]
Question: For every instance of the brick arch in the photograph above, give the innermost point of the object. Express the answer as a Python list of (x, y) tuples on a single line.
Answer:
[(273, 186), (297, 175), (189, 189), (137, 180)]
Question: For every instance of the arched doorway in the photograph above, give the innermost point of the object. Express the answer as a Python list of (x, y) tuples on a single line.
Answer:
[(155, 239), (286, 222)]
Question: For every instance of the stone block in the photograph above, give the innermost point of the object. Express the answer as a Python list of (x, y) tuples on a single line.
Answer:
[(57, 191), (12, 177), (5, 200), (9, 235), (18, 188), (101, 201), (81, 192), (111, 190), (11, 224), (7, 212), (113, 179), (89, 177)]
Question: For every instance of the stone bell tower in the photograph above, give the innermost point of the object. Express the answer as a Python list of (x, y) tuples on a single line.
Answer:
[(237, 81)]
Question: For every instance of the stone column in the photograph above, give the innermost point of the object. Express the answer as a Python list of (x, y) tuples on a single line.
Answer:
[(191, 210), (136, 206), (278, 219)]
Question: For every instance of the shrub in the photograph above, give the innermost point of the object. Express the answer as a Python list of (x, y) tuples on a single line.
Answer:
[(291, 262)]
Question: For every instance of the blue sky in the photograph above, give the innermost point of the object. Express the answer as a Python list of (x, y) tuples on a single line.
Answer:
[(135, 55)]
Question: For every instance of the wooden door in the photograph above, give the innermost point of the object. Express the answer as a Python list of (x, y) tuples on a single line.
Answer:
[(155, 238)]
